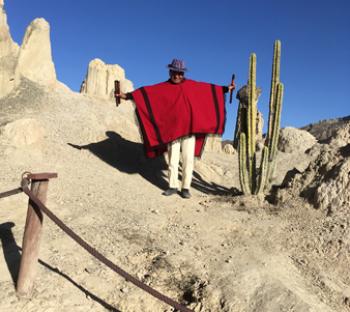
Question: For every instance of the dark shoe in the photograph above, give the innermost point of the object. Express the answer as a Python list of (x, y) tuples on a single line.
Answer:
[(185, 193), (170, 191)]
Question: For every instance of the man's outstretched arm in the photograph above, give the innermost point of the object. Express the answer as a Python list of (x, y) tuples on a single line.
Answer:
[(124, 96)]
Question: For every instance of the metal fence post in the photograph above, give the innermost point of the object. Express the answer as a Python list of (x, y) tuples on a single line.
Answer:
[(32, 233)]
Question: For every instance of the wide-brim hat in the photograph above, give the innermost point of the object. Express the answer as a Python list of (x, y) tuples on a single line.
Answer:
[(177, 65)]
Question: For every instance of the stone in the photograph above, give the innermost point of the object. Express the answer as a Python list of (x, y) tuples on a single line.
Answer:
[(100, 77), (241, 124), (229, 149), (22, 132), (292, 139), (35, 57)]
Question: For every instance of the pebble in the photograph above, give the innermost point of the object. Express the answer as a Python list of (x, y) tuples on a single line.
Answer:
[(124, 290)]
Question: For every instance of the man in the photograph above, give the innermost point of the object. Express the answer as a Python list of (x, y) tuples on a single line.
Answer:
[(176, 115)]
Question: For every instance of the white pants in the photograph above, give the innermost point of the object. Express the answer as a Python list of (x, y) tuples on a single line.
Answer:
[(187, 145)]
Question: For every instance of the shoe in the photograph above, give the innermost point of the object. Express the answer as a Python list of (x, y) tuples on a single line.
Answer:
[(170, 191), (185, 193)]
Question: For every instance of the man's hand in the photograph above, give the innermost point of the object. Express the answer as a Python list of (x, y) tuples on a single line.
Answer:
[(120, 95), (232, 86)]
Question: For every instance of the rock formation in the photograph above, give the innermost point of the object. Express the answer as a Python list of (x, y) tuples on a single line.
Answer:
[(242, 96), (22, 132), (292, 139), (100, 77), (325, 183), (229, 149), (8, 54), (35, 58), (213, 144)]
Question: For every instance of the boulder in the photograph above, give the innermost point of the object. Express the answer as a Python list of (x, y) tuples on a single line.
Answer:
[(35, 58), (292, 139), (229, 149), (100, 77), (22, 132)]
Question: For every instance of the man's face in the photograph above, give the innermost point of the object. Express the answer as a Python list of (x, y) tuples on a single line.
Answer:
[(176, 77)]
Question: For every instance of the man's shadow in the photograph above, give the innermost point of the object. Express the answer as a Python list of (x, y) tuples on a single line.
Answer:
[(128, 157), (12, 257), (212, 188)]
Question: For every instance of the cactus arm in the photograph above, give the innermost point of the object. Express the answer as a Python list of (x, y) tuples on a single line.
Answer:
[(276, 121), (252, 120), (263, 171), (274, 80), (243, 174), (238, 127)]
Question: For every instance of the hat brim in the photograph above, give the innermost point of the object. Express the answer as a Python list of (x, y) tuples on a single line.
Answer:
[(177, 69)]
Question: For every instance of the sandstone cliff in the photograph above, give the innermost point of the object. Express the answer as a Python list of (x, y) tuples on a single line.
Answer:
[(32, 60), (35, 57), (8, 54), (100, 77)]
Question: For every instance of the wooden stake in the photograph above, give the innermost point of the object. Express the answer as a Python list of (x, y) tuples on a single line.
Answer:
[(32, 234)]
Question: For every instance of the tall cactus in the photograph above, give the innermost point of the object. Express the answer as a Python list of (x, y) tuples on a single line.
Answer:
[(255, 180), (251, 121)]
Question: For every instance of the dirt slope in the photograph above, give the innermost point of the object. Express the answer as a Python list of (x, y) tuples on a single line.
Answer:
[(218, 251)]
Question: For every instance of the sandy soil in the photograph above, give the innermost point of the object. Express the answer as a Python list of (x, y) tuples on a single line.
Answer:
[(218, 251)]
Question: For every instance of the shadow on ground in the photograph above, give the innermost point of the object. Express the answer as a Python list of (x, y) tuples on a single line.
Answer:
[(12, 257), (128, 157)]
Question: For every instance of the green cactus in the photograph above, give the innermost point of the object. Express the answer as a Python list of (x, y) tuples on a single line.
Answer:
[(275, 79), (243, 176), (264, 168), (255, 180), (251, 121)]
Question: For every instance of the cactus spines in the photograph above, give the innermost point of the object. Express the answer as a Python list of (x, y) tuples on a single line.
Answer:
[(256, 180)]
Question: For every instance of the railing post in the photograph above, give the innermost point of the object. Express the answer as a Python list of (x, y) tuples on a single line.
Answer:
[(32, 233)]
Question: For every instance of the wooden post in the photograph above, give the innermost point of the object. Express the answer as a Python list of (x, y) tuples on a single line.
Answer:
[(32, 233)]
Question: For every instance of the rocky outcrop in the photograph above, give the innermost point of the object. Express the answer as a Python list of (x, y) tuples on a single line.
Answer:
[(325, 183), (7, 45), (100, 77), (213, 144), (292, 139), (35, 58), (229, 149), (8, 54), (241, 124), (22, 132)]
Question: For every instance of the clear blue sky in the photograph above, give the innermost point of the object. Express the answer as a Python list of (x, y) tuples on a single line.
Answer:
[(215, 38)]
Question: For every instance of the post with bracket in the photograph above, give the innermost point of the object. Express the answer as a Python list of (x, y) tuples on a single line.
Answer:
[(32, 232)]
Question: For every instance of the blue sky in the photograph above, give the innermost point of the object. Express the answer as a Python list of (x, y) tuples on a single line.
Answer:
[(215, 38)]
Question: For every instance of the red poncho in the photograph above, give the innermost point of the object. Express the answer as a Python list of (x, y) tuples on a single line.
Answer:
[(168, 111)]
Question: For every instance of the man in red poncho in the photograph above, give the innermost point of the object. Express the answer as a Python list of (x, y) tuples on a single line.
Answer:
[(177, 115)]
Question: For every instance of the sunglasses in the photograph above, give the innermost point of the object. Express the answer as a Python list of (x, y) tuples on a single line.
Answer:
[(175, 73)]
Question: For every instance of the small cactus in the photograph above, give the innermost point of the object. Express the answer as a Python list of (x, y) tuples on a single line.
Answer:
[(255, 180)]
